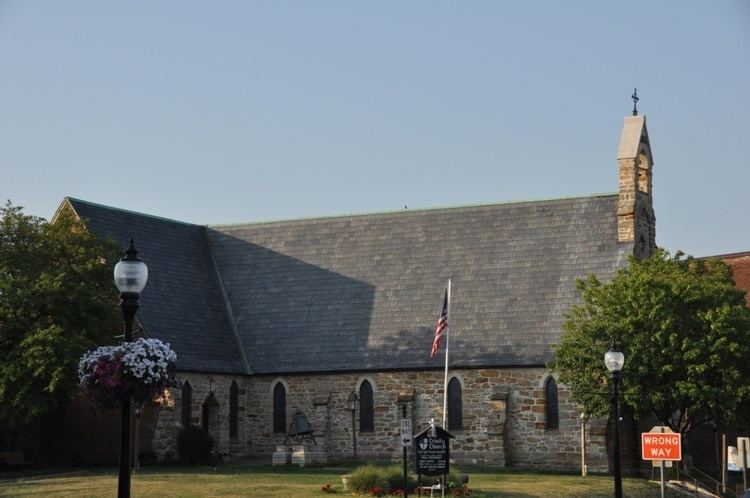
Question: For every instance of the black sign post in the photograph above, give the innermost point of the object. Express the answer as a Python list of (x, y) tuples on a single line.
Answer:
[(405, 442), (433, 453)]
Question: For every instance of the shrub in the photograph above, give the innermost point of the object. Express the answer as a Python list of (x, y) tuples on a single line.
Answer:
[(194, 444), (395, 476), (456, 485), (462, 490), (369, 479)]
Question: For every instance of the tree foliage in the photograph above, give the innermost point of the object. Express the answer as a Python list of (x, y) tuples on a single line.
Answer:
[(57, 300), (685, 331)]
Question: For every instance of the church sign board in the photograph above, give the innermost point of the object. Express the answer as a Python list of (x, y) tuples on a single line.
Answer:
[(433, 451)]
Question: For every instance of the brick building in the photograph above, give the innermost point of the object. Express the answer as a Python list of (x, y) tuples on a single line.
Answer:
[(705, 441), (270, 318), (740, 264)]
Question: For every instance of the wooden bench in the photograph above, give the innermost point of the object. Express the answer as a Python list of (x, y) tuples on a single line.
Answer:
[(431, 489)]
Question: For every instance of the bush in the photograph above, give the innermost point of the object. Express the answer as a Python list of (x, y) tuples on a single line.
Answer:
[(395, 476), (454, 479), (369, 479), (457, 484), (461, 490), (194, 444)]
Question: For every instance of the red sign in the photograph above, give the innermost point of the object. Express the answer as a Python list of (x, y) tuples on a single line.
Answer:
[(661, 446)]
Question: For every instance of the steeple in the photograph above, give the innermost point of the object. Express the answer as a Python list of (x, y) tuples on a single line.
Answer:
[(635, 212)]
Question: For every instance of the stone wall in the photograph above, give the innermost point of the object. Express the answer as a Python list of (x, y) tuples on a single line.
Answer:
[(503, 416), (169, 423)]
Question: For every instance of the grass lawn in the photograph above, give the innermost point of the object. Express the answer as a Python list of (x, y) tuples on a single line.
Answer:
[(286, 482)]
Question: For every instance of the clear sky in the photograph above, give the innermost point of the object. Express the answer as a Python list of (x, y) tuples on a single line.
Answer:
[(234, 111)]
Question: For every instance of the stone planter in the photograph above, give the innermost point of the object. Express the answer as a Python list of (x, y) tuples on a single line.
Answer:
[(308, 455), (281, 456)]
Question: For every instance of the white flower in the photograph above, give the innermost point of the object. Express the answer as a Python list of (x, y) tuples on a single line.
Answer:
[(145, 359)]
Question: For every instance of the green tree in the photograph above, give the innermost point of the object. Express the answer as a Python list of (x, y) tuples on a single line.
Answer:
[(56, 301), (685, 331)]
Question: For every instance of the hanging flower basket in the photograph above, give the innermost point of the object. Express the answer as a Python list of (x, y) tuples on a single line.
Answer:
[(140, 371)]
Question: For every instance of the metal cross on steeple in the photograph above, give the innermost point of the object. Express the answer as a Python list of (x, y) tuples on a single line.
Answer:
[(635, 101)]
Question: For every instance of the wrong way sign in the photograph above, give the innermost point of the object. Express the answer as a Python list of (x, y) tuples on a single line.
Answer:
[(661, 446)]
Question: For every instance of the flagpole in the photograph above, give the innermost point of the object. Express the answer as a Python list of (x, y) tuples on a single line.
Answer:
[(447, 346)]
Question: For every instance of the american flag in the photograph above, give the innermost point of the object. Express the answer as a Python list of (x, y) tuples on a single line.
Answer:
[(441, 326)]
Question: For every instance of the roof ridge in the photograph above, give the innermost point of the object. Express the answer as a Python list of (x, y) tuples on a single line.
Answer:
[(231, 321), (403, 211), (729, 255), (129, 211)]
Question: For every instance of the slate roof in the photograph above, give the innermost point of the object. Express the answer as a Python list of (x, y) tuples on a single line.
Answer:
[(363, 292), (181, 303)]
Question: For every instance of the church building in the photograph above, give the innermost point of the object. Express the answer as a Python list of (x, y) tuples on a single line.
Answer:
[(272, 318)]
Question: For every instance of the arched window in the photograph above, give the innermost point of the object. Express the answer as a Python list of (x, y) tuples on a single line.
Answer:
[(279, 408), (551, 409), (455, 405), (186, 401), (233, 401), (366, 408), (644, 172), (210, 414)]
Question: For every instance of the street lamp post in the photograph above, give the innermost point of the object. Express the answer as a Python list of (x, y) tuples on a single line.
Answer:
[(131, 275), (351, 403), (614, 359)]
